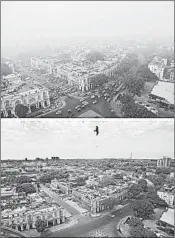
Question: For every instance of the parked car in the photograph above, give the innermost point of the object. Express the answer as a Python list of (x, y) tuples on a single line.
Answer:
[(69, 110), (111, 215), (58, 112), (95, 101)]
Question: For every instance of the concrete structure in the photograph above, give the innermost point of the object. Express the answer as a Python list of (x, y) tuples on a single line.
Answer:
[(8, 232), (31, 96), (24, 219), (64, 187), (172, 76), (157, 67), (164, 162), (90, 114), (78, 74), (168, 197), (7, 193), (95, 202), (167, 218)]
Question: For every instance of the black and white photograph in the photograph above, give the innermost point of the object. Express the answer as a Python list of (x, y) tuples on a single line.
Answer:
[(60, 178), (87, 119), (87, 59)]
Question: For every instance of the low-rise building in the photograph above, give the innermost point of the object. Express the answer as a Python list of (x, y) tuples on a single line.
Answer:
[(30, 95), (164, 162), (167, 219), (96, 201), (25, 218), (167, 195), (64, 187), (157, 66)]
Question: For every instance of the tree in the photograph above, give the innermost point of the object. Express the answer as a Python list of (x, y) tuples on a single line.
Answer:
[(21, 110), (94, 56), (134, 85), (126, 98), (25, 187), (163, 170), (99, 80), (23, 179), (145, 73), (141, 232), (143, 184), (133, 110), (156, 180), (135, 222), (133, 191), (40, 225), (155, 200), (143, 209)]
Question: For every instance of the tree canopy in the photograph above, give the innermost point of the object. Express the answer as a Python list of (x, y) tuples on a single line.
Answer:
[(143, 184), (23, 179), (25, 187), (133, 191), (132, 110), (21, 110), (40, 225), (143, 209), (155, 200), (94, 56)]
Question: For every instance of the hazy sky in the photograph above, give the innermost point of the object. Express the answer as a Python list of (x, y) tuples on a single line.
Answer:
[(75, 138), (24, 22)]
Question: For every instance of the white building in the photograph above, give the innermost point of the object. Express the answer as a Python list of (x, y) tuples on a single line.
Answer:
[(28, 95), (168, 197)]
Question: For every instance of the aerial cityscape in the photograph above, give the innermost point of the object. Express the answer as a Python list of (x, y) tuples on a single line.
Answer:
[(86, 76), (118, 182), (87, 129)]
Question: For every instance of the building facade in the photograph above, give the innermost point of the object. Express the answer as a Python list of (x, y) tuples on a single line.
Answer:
[(164, 162), (98, 203), (21, 220), (32, 98), (168, 197), (64, 187)]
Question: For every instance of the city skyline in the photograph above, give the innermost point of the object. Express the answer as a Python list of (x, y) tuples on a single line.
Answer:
[(146, 139)]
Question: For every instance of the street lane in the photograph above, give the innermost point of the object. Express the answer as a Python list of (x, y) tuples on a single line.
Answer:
[(58, 200), (85, 226)]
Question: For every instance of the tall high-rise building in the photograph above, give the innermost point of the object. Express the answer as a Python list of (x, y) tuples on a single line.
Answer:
[(164, 162)]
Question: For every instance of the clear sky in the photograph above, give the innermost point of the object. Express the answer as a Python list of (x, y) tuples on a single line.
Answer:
[(75, 138), (29, 22)]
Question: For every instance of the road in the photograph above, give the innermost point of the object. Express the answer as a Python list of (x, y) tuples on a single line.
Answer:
[(59, 201), (85, 226), (102, 108)]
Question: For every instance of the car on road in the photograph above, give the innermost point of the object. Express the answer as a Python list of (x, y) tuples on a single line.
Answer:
[(93, 96), (140, 103), (58, 113), (95, 101), (79, 109), (81, 100), (153, 110), (111, 215), (69, 110)]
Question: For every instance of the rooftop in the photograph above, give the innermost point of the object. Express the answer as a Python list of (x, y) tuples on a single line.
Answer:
[(90, 114), (168, 216)]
